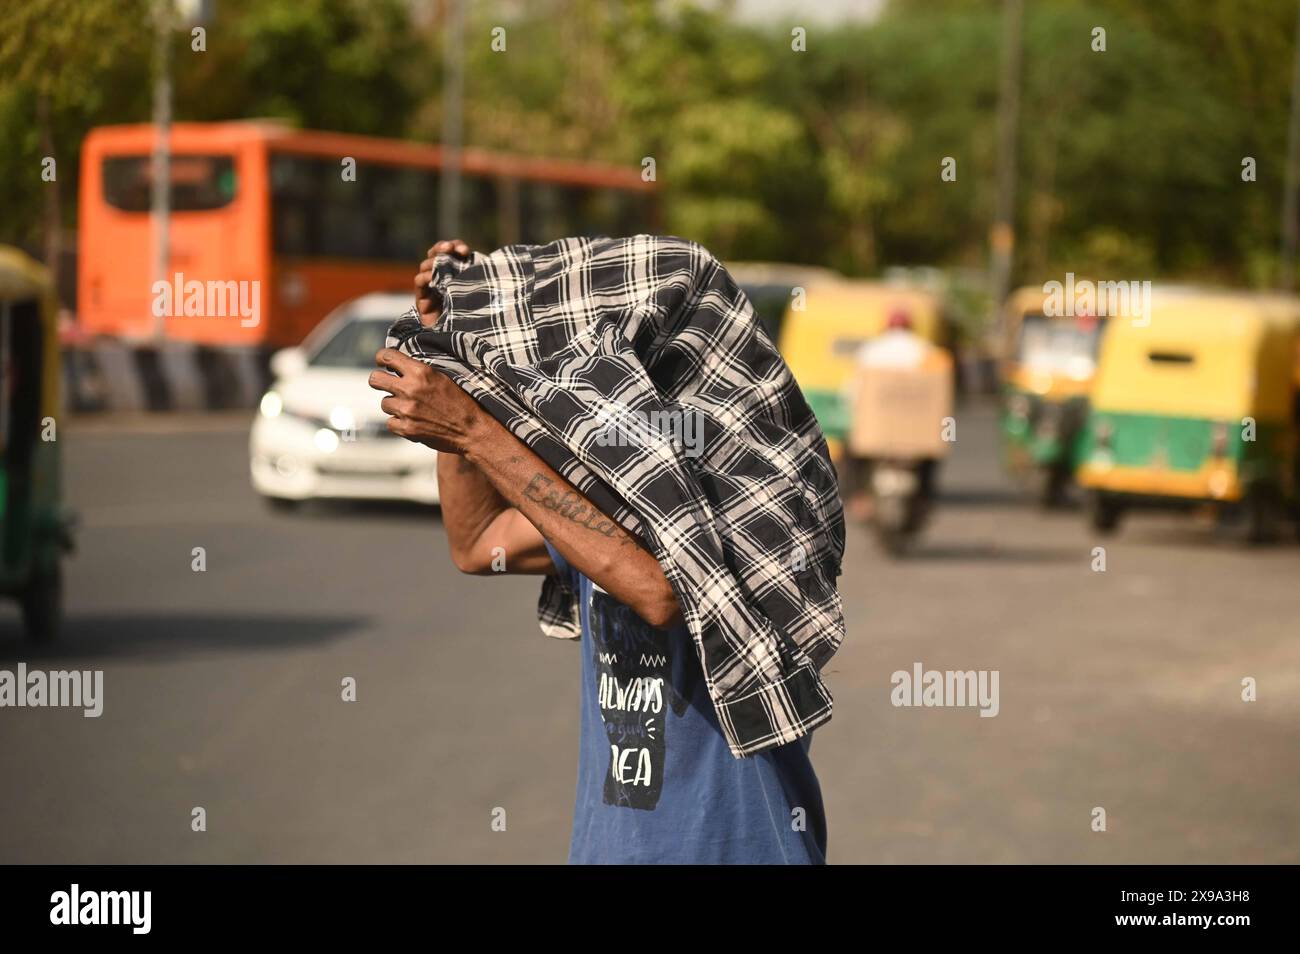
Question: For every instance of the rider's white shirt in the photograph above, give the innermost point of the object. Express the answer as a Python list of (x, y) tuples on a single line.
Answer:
[(893, 349)]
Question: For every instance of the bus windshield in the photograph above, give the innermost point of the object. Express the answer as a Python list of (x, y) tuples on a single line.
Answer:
[(197, 182)]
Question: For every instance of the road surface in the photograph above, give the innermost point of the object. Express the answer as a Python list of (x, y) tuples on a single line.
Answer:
[(1119, 690)]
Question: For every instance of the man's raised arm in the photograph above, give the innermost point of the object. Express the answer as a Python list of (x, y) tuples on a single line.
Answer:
[(426, 406)]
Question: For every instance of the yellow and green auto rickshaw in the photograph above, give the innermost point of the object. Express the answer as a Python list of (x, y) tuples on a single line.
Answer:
[(1196, 405), (34, 530), (822, 334), (1047, 368)]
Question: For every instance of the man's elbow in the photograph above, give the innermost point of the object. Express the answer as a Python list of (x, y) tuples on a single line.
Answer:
[(662, 612), (470, 561)]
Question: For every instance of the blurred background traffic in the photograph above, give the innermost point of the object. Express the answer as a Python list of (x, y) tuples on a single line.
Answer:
[(1031, 262)]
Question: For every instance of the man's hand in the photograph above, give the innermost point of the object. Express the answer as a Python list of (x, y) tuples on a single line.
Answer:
[(425, 406), (426, 302)]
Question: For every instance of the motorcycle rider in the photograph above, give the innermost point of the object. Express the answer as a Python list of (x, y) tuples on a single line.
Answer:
[(898, 347)]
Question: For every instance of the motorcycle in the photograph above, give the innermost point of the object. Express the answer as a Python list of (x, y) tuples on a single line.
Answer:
[(901, 500)]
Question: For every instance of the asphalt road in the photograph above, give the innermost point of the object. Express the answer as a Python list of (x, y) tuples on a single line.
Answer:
[(1118, 689)]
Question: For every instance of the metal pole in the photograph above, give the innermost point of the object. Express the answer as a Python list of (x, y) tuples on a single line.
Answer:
[(160, 206), (453, 95), (1002, 236), (5, 373), (1286, 257)]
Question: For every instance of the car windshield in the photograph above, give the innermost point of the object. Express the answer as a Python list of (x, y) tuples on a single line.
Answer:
[(353, 345)]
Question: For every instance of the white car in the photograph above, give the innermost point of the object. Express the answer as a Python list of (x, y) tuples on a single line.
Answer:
[(319, 431)]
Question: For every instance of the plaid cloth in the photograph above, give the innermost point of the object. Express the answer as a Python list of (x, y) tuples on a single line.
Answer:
[(749, 529)]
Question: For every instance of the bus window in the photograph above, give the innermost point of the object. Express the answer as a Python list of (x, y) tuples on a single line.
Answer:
[(294, 213), (404, 203), (198, 183), (480, 221), (346, 218), (387, 214), (549, 211), (545, 212), (607, 211)]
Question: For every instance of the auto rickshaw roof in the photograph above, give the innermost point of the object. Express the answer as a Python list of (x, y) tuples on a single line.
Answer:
[(1218, 312), (781, 273), (21, 276), (1202, 353), (866, 303)]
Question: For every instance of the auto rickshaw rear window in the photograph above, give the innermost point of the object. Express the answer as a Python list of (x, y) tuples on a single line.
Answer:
[(1059, 343), (1170, 357), (847, 347)]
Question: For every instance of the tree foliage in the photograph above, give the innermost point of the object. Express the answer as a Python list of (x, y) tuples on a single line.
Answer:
[(1130, 159)]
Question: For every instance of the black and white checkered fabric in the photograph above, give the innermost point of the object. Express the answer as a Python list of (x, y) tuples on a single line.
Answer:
[(746, 521)]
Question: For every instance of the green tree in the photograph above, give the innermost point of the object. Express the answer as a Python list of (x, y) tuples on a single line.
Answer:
[(62, 63), (343, 65)]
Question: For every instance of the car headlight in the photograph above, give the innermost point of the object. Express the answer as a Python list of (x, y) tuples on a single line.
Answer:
[(271, 404), (326, 440), (342, 419)]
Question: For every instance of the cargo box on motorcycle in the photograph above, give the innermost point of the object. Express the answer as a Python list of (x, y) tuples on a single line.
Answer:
[(903, 412)]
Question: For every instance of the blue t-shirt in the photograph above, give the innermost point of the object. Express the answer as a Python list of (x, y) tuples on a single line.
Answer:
[(656, 781)]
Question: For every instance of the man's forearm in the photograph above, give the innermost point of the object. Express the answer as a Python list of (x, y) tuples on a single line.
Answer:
[(486, 534), (469, 501), (590, 540)]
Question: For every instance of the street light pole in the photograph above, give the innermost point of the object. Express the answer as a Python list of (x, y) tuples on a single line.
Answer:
[(1286, 257), (160, 194), (1002, 235), (453, 95)]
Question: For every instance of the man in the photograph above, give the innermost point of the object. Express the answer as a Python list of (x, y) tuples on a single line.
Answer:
[(658, 777), (898, 347)]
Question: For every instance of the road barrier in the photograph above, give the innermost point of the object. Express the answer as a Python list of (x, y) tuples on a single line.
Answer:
[(108, 374)]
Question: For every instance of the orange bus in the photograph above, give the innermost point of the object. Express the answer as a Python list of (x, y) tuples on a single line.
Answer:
[(313, 218)]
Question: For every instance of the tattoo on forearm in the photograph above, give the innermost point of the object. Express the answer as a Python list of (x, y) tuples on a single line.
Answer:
[(572, 507)]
